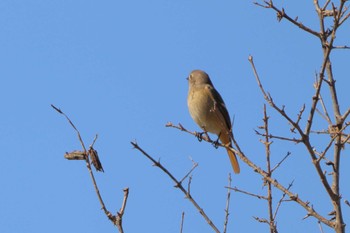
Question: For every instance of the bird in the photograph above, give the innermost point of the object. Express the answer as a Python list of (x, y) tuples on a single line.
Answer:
[(208, 110)]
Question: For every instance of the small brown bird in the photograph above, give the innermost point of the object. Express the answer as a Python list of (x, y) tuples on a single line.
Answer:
[(208, 110)]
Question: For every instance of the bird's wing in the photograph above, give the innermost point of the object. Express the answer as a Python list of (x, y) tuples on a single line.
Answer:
[(219, 104)]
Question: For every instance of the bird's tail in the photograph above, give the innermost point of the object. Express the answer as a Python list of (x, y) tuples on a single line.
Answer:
[(233, 160), (226, 140)]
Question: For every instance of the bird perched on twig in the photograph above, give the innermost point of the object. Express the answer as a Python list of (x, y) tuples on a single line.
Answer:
[(208, 110)]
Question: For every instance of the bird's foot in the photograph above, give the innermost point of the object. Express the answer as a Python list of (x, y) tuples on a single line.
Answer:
[(200, 136), (216, 143)]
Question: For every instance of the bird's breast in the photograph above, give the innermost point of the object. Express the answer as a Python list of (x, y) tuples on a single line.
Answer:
[(202, 110)]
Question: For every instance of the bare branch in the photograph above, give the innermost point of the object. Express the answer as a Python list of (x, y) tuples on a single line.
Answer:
[(227, 208), (177, 185), (279, 137), (320, 226), (281, 200), (120, 213), (78, 155), (247, 193), (71, 123), (269, 99), (194, 165), (280, 162), (341, 47), (345, 115), (182, 221), (282, 14), (304, 136), (299, 117)]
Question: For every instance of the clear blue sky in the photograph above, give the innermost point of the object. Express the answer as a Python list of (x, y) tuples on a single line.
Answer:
[(118, 68)]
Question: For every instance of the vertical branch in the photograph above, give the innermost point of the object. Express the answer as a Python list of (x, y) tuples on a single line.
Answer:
[(227, 203), (120, 213), (327, 46), (267, 144), (182, 221)]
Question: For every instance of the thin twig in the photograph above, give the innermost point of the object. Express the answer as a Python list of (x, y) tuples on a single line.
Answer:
[(71, 123), (279, 137), (281, 200), (282, 14), (194, 165), (280, 162), (177, 185), (182, 221), (320, 226), (228, 198), (247, 193)]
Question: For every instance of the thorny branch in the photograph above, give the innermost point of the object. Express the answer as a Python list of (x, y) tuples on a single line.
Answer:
[(264, 174), (303, 136), (227, 208), (326, 35), (86, 155), (247, 193), (267, 144), (178, 184), (282, 14)]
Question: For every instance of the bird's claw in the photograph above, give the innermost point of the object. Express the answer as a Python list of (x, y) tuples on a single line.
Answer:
[(216, 143), (200, 136)]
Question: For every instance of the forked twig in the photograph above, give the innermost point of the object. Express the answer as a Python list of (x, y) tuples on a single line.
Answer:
[(178, 185), (84, 155), (263, 173)]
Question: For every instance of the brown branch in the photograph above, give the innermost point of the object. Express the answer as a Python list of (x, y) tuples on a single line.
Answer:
[(77, 155), (280, 162), (327, 117), (257, 169), (261, 220), (340, 226), (120, 213), (247, 193), (194, 165), (304, 136), (267, 144), (320, 226), (346, 114), (299, 117), (228, 198), (269, 99), (282, 14), (341, 47), (279, 137), (281, 200), (71, 123), (292, 196), (178, 185), (182, 221)]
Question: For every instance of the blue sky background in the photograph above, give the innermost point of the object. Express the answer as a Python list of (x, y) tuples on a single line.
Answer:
[(118, 68)]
